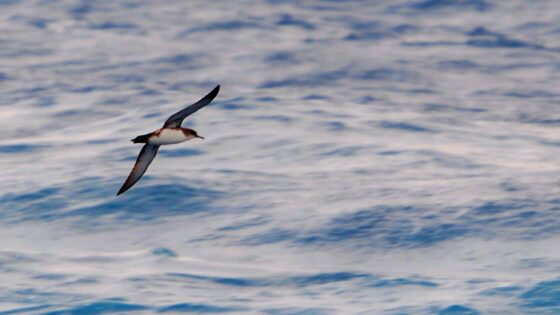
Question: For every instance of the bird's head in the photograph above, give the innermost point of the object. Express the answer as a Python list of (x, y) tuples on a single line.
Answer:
[(191, 133)]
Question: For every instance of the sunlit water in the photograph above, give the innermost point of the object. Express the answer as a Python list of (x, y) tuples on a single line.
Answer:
[(363, 157)]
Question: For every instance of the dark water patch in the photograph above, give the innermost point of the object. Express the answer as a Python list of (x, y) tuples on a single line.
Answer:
[(293, 281), (36, 91), (360, 224), (150, 202), (403, 282), (310, 80), (19, 148), (125, 78), (32, 296), (459, 64), (232, 106), (226, 26), (386, 74), (89, 88), (476, 281), (50, 276), (115, 102), (7, 258), (68, 113), (373, 32), (390, 152), (506, 291), (101, 141), (544, 296), (420, 91), (429, 5), (162, 251), (532, 94), (279, 118), (518, 219), (8, 2), (180, 152), (235, 282), (100, 308), (484, 38), (443, 43), (152, 115), (366, 99), (458, 310), (235, 99), (281, 58), (199, 308), (150, 92), (493, 207), (289, 20), (79, 11), (433, 107), (27, 52), (269, 237), (511, 187), (314, 97), (381, 226), (325, 278), (482, 31), (179, 59), (30, 197), (43, 210), (532, 26), (25, 310), (403, 126), (433, 234), (343, 152), (82, 281), (45, 101), (245, 224), (334, 125), (501, 42), (297, 311), (112, 25), (524, 118), (266, 99), (31, 21), (532, 263), (207, 237)]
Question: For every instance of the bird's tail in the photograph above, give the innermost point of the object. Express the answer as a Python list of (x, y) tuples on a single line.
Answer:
[(142, 138)]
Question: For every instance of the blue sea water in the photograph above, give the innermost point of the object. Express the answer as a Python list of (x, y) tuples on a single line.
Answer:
[(362, 157)]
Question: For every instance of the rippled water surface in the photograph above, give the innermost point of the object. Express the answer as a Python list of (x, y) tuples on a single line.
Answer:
[(362, 157)]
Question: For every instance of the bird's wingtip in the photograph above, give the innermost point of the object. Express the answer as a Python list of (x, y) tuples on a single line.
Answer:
[(121, 191), (212, 94)]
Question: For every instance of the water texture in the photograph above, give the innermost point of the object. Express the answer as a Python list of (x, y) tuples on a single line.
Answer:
[(362, 157)]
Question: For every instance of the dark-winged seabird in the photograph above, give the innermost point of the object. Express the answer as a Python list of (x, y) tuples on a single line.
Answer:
[(170, 133)]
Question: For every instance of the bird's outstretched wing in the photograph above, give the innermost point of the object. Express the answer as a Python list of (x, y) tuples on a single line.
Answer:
[(144, 159), (177, 119)]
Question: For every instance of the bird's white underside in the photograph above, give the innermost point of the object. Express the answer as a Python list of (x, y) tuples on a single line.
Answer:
[(169, 136)]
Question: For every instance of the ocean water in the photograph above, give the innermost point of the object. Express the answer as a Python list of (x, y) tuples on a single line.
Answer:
[(363, 157)]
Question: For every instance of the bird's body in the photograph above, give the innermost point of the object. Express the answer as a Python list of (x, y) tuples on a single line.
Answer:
[(166, 136), (170, 133)]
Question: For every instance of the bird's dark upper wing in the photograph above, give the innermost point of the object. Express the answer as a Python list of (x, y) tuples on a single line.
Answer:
[(144, 159), (177, 119)]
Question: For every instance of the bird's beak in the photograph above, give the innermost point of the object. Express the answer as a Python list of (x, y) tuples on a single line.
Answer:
[(200, 137)]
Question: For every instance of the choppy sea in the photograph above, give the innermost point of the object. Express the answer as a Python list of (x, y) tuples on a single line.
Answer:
[(362, 157)]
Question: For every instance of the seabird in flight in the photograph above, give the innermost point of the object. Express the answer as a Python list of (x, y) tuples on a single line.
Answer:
[(170, 133)]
